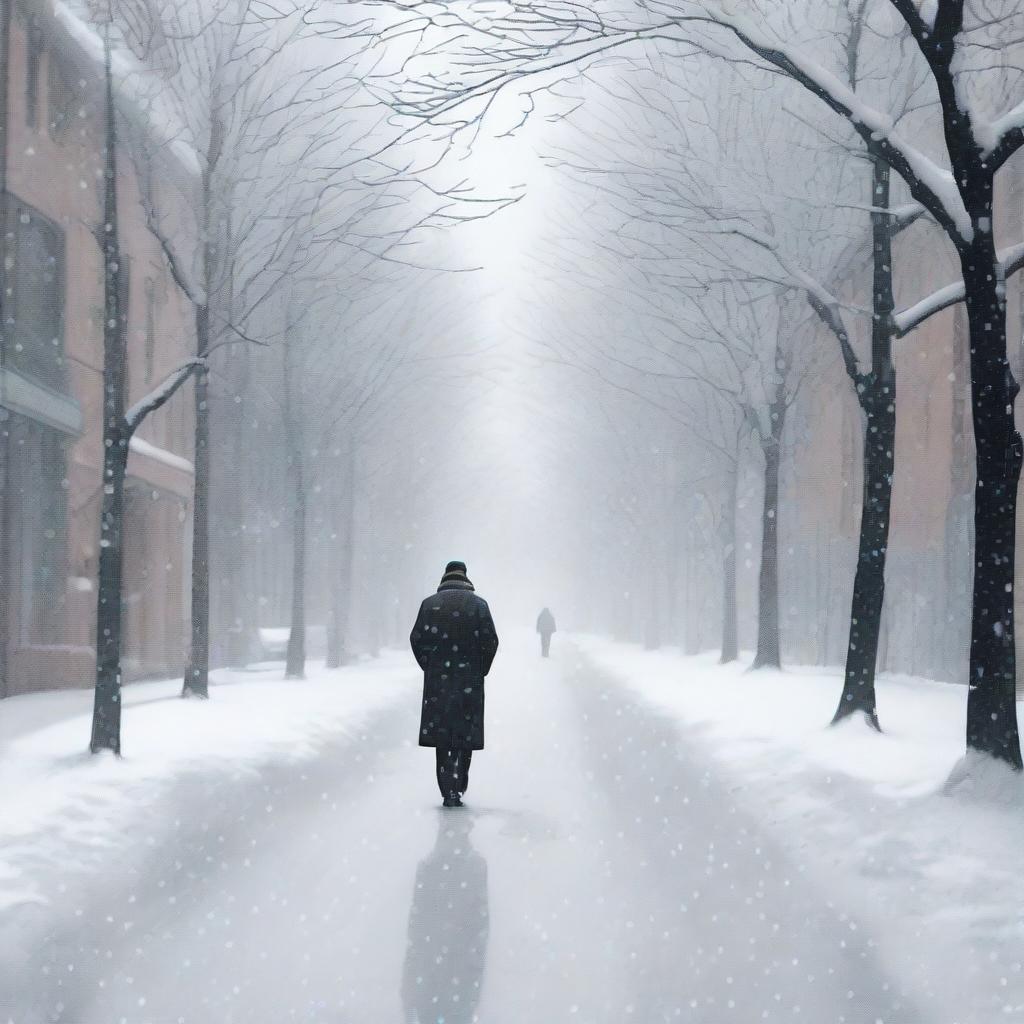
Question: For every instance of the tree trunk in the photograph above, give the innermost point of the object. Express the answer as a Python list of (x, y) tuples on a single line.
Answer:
[(336, 654), (730, 619), (768, 647), (877, 396), (5, 557), (6, 7), (672, 573), (869, 581), (372, 599), (652, 624), (236, 593), (197, 675), (991, 703), (341, 591), (295, 663), (6, 10), (691, 613), (106, 718), (295, 658)]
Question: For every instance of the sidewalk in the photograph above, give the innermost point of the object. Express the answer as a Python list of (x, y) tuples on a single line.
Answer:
[(62, 807), (869, 815)]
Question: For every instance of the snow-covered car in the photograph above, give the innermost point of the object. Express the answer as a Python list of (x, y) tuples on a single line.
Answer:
[(274, 642)]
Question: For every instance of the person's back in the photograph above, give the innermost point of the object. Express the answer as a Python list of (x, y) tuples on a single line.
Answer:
[(545, 626), (454, 642)]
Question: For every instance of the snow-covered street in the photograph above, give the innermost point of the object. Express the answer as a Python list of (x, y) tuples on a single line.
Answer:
[(680, 342), (604, 868)]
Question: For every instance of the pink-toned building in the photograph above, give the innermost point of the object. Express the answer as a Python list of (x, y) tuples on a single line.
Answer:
[(51, 362), (926, 623)]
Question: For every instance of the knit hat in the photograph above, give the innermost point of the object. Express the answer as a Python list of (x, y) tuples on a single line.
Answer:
[(455, 577)]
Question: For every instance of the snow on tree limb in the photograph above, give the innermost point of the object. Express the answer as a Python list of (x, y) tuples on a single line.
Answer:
[(1001, 138), (903, 216), (930, 184), (933, 186), (928, 12), (1012, 260), (821, 300), (162, 393), (832, 317), (935, 28), (920, 16)]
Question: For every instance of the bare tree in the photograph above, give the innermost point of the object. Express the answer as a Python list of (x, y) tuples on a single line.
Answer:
[(979, 125), (671, 218), (119, 424)]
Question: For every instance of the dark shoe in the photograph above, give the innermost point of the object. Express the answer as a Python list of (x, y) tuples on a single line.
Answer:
[(452, 801)]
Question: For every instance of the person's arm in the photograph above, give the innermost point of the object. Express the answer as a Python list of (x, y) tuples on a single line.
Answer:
[(488, 638), (419, 639)]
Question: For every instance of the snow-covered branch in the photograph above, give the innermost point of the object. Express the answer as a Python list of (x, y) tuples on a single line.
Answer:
[(933, 186), (162, 393), (1003, 137), (1012, 260), (582, 40), (900, 216), (903, 216), (190, 288), (920, 17), (821, 300), (832, 317)]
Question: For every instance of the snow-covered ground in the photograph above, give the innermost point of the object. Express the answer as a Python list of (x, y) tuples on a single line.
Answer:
[(937, 870), (646, 838), (64, 809), (775, 721)]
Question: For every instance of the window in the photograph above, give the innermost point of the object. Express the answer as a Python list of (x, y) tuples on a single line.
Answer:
[(40, 529), (33, 63), (33, 283), (150, 340), (62, 101)]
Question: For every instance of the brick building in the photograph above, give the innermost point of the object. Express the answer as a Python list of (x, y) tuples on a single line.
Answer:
[(51, 147), (926, 626)]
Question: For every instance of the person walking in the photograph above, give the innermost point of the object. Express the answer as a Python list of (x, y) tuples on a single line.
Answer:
[(545, 626), (454, 642)]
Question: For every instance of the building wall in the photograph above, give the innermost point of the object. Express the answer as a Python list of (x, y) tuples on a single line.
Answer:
[(54, 170), (926, 624)]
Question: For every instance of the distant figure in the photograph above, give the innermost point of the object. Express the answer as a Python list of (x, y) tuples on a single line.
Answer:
[(454, 642), (545, 626)]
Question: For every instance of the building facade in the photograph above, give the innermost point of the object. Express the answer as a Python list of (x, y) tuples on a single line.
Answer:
[(926, 625), (51, 363)]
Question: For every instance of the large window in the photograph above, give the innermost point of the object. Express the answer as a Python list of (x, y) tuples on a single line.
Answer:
[(39, 524), (33, 283), (150, 340), (34, 60), (63, 100)]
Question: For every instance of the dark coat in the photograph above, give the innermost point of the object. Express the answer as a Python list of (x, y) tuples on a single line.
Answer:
[(454, 641)]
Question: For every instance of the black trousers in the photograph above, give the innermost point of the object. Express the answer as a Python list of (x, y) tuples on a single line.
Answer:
[(453, 771), (545, 644)]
